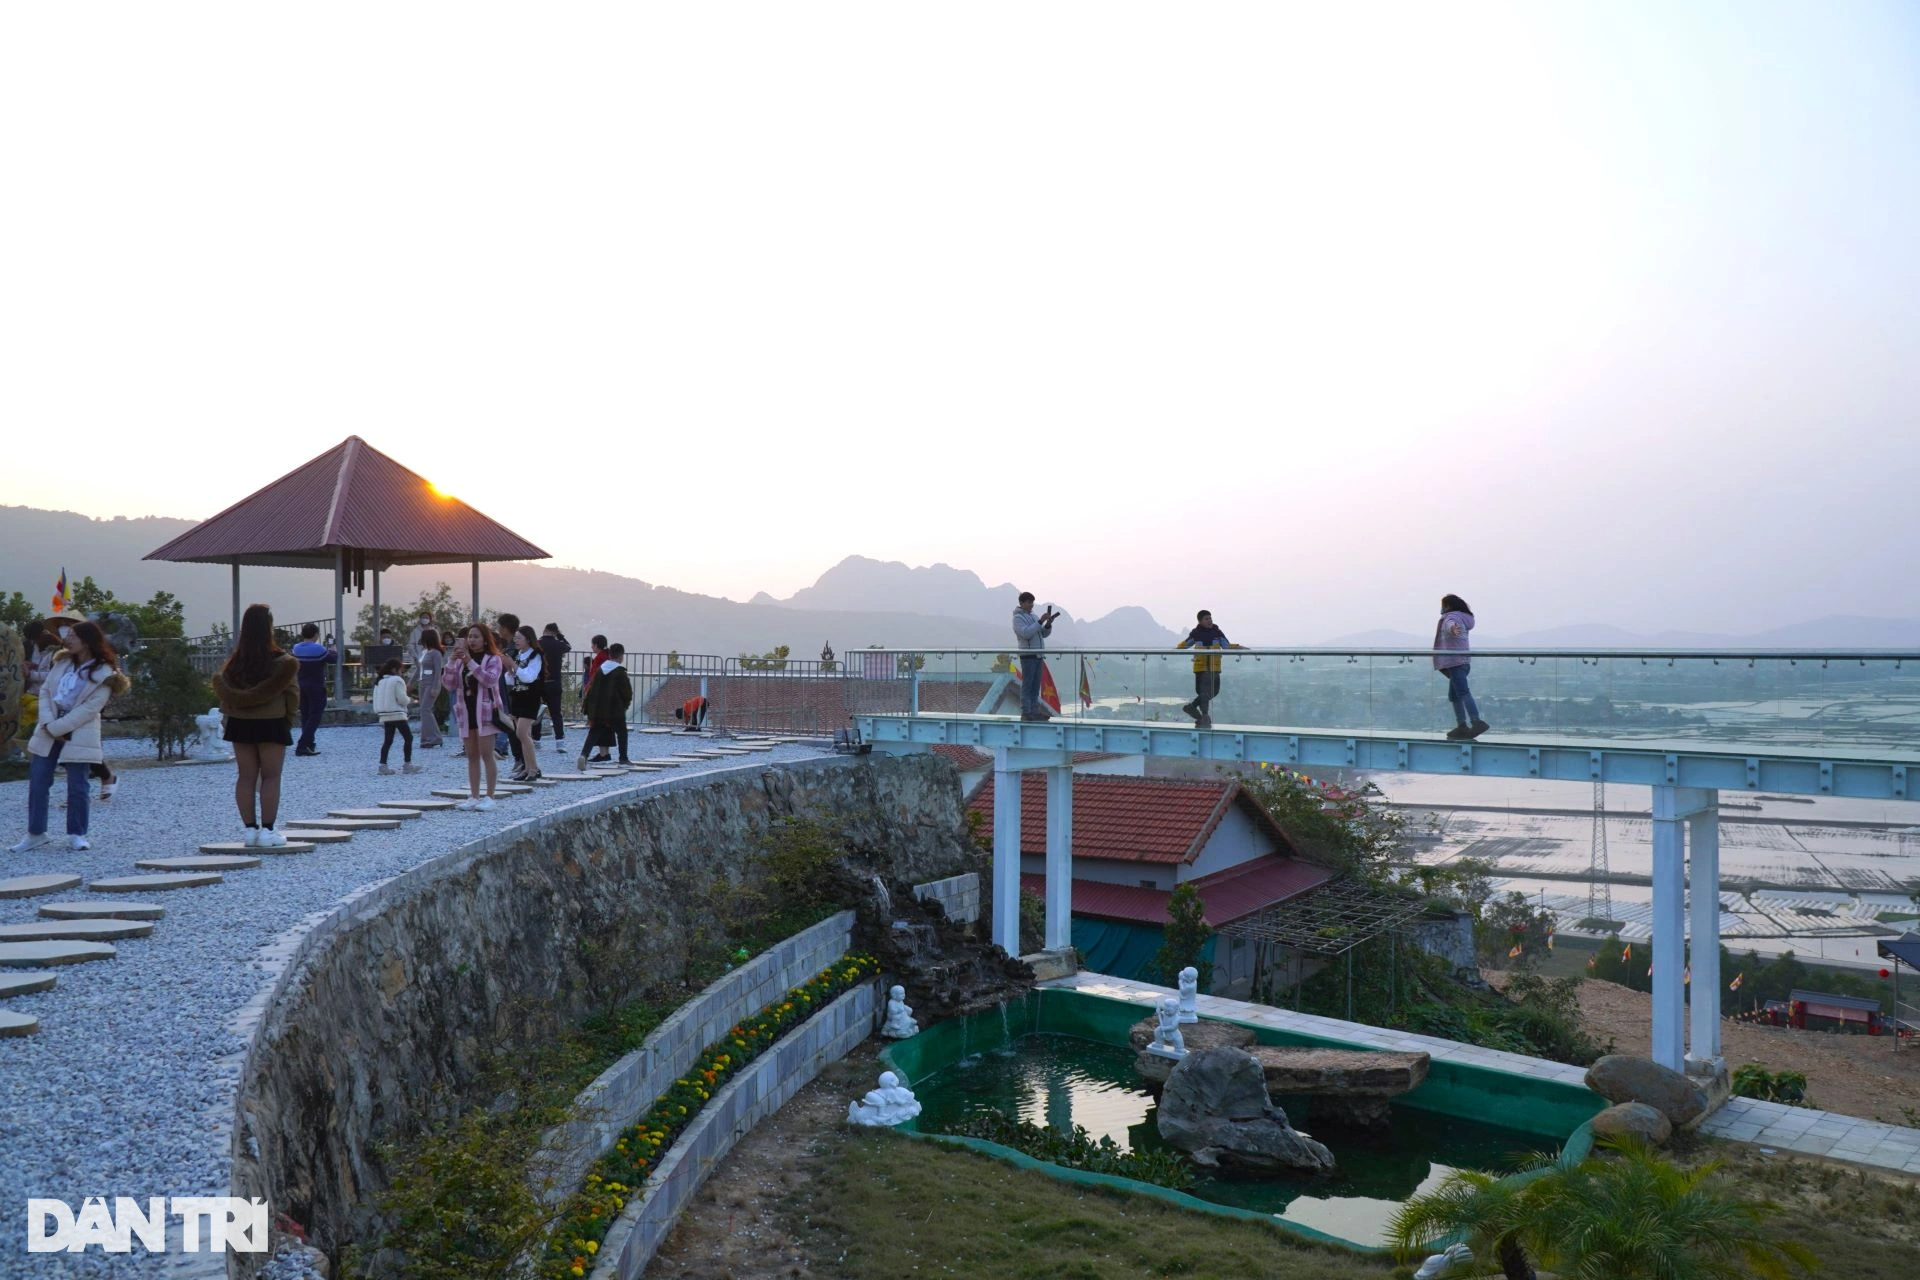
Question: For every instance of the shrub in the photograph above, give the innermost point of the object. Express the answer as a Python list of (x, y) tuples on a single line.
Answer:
[(167, 692), (1752, 1080), (1184, 937), (1076, 1149)]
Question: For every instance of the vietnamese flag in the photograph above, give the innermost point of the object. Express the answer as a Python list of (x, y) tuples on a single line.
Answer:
[(1049, 692)]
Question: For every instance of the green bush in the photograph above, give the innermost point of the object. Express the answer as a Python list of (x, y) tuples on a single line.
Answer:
[(1752, 1080), (1076, 1149)]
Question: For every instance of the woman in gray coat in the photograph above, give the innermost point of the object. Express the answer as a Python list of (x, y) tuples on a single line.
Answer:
[(426, 677)]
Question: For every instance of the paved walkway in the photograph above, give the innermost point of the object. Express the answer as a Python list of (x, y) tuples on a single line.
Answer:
[(1817, 1133)]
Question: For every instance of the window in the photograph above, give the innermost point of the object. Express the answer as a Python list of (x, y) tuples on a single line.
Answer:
[(1148, 884)]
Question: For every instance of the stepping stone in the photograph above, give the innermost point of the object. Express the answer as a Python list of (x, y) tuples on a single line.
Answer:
[(76, 930), (234, 847), (451, 793), (200, 862), (570, 777), (402, 814), (41, 955), (418, 806), (660, 731), (25, 984), (155, 884), (515, 788), (101, 911), (385, 822), (17, 1024), (30, 886), (297, 835)]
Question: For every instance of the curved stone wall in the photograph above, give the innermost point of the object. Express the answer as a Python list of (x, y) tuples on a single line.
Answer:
[(405, 991)]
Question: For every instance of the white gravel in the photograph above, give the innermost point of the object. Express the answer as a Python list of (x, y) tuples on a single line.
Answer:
[(127, 1088)]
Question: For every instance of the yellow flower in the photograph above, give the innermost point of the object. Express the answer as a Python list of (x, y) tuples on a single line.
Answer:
[(593, 1246)]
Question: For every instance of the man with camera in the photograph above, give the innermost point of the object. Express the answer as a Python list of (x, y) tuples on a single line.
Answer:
[(1030, 632)]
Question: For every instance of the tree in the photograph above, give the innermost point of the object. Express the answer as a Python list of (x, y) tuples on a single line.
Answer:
[(161, 617), (1183, 938), (448, 614), (673, 660), (16, 610), (169, 692), (1511, 924), (1340, 827), (775, 659)]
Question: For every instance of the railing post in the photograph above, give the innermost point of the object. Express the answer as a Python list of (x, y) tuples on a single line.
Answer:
[(1006, 854), (1703, 882), (913, 691)]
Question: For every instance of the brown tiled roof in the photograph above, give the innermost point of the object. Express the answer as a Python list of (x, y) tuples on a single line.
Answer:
[(355, 497), (1239, 891), (1127, 819)]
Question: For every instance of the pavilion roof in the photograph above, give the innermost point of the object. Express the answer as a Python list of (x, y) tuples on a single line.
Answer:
[(352, 497)]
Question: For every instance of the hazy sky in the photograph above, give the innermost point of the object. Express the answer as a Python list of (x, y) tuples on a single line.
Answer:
[(1587, 312)]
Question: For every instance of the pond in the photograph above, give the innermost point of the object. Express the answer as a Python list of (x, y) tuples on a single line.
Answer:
[(1062, 1081)]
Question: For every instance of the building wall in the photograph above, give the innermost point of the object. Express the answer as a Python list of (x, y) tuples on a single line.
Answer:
[(1236, 840), (1108, 871)]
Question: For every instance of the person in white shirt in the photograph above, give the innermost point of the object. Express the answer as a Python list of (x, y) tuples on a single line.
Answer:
[(524, 679), (390, 703)]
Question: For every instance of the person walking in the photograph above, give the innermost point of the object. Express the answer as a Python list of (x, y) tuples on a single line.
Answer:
[(553, 655), (1206, 666), (472, 676), (66, 731), (429, 662), (524, 684), (258, 697), (1030, 632), (314, 658), (1450, 660), (390, 705), (505, 741), (421, 625), (605, 705)]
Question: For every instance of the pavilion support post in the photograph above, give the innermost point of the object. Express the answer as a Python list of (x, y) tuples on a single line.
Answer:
[(376, 606), (236, 601), (339, 624), (1059, 931), (1672, 806), (475, 617), (1006, 854), (1703, 883)]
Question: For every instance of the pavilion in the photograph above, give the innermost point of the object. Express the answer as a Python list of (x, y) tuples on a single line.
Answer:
[(357, 512)]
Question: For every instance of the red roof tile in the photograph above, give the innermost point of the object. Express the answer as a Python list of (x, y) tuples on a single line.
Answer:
[(1228, 896), (963, 757), (351, 496), (1131, 819)]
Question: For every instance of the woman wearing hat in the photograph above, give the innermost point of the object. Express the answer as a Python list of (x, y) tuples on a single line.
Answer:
[(66, 732)]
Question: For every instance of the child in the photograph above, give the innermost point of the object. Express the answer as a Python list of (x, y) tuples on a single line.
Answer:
[(390, 704), (606, 702)]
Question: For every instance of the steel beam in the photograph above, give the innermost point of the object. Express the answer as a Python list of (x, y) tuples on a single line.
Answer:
[(1059, 931)]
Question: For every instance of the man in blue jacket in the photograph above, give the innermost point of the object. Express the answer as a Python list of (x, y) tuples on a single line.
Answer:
[(315, 658)]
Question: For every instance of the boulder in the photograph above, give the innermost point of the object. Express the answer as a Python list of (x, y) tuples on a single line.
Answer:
[(1351, 1088), (1204, 1034), (1619, 1077), (1632, 1119), (1216, 1109)]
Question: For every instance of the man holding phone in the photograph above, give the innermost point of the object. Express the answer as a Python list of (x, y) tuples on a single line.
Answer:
[(1030, 632)]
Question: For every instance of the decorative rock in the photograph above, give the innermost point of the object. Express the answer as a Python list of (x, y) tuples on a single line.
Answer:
[(1348, 1086), (75, 930), (899, 1024), (31, 886), (882, 1108), (1189, 996), (1619, 1077), (1167, 1040), (17, 1024), (1215, 1108), (418, 806), (1440, 1264), (200, 862), (25, 984), (155, 884), (39, 955), (382, 823), (402, 814), (101, 911), (1634, 1120), (1207, 1033), (234, 849)]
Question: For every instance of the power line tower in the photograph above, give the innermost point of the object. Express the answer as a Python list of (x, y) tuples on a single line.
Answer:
[(1599, 883)]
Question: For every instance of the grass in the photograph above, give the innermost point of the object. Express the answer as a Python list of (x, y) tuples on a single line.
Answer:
[(885, 1206)]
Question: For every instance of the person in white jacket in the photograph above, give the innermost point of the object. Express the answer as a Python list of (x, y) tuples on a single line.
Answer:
[(390, 704), (66, 732)]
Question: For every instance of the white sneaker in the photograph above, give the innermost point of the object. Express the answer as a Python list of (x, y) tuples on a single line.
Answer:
[(253, 838), (270, 839), (78, 843), (31, 843), (410, 768), (108, 787), (580, 763), (386, 771), (483, 804), (465, 804)]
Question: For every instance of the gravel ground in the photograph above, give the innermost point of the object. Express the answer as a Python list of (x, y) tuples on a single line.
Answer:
[(127, 1088)]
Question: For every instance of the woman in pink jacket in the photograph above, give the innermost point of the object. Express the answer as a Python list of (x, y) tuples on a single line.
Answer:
[(1450, 660), (473, 677)]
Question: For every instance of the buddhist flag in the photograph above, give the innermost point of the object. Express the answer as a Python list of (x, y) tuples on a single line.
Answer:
[(1738, 978), (1686, 976), (1549, 940), (1627, 954), (1591, 960), (60, 592), (1086, 687), (1517, 949), (1049, 692)]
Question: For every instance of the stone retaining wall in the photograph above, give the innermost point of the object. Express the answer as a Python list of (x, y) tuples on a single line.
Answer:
[(389, 1007), (761, 1089), (958, 895)]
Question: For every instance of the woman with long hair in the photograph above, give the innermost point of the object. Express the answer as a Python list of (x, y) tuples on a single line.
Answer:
[(258, 697), (525, 681), (66, 731), (432, 661), (1450, 660), (472, 675)]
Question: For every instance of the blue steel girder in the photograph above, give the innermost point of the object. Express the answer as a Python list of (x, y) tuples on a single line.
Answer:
[(1724, 767)]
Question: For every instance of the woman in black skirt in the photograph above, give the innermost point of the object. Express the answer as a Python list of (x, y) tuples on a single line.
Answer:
[(260, 703), (523, 680)]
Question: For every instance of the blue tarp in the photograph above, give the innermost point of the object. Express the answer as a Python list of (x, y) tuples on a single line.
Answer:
[(1905, 948), (1122, 949)]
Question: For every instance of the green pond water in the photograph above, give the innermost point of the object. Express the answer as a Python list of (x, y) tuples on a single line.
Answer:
[(1063, 1081)]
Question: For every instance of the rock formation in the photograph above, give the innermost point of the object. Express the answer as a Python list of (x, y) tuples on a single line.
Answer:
[(1348, 1086), (1216, 1109), (947, 969), (1619, 1077), (1632, 1120)]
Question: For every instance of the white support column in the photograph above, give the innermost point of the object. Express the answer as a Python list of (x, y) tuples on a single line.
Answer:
[(1703, 885), (1671, 808), (1006, 854), (1059, 857)]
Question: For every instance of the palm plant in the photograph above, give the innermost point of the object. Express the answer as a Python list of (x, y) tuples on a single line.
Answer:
[(1628, 1214)]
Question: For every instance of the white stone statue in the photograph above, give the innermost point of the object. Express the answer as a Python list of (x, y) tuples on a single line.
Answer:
[(1189, 992), (207, 743), (1167, 1040), (892, 1103), (899, 1024), (1441, 1263)]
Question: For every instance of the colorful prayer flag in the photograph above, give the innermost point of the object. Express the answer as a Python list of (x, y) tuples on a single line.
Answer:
[(1738, 978), (1549, 940), (1086, 687), (1627, 954), (60, 592), (1686, 976), (1517, 949)]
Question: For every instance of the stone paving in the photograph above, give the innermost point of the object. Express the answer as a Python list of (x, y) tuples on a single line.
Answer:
[(1816, 1133)]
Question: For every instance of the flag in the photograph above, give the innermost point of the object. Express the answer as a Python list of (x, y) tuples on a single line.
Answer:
[(60, 592), (1086, 687), (1591, 960), (1738, 978), (1549, 940), (1517, 949), (1049, 693), (1627, 954), (1649, 970), (1686, 976)]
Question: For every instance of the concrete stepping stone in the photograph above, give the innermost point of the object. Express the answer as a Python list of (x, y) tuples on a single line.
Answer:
[(102, 910), (200, 862), (660, 731), (14, 1023), (25, 984), (77, 930), (571, 777), (402, 814), (517, 788), (235, 848), (32, 886), (385, 822), (418, 806), (42, 955), (154, 884), (300, 835)]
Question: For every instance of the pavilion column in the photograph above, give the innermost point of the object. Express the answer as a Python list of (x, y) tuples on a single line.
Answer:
[(475, 615), (1703, 882), (339, 624), (236, 601), (1006, 854), (1672, 806), (1059, 932), (376, 606)]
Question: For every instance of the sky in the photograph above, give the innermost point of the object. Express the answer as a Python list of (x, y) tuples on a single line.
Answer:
[(1588, 312)]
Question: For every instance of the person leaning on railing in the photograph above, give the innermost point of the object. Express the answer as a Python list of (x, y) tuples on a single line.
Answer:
[(1206, 666)]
